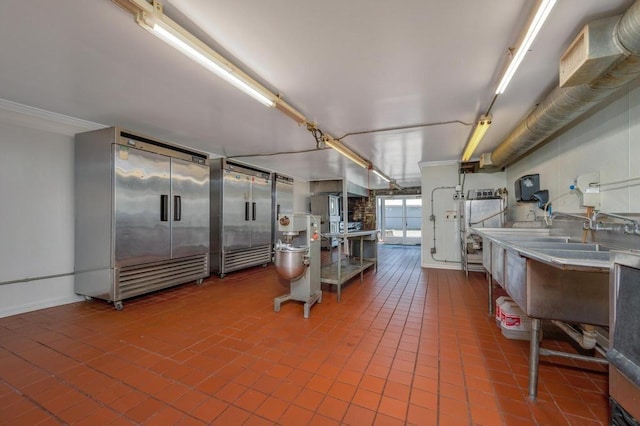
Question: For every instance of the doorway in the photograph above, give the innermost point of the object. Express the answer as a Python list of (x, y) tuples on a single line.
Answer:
[(400, 219)]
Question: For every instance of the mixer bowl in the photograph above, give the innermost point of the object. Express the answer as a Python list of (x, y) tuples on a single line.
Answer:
[(289, 262)]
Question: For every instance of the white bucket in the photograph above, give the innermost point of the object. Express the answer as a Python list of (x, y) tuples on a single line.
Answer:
[(499, 302), (514, 324)]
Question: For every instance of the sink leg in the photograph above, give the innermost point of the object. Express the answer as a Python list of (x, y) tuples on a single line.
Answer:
[(534, 353), (490, 280)]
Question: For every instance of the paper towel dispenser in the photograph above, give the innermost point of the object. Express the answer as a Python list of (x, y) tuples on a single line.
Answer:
[(526, 186)]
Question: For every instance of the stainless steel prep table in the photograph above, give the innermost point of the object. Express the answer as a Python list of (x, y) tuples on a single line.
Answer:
[(337, 273)]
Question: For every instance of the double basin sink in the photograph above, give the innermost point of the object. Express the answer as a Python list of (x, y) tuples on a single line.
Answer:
[(549, 277)]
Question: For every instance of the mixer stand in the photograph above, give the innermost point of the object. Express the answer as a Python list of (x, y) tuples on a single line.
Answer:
[(308, 303)]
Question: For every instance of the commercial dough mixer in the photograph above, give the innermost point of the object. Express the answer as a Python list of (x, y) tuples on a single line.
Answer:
[(297, 259)]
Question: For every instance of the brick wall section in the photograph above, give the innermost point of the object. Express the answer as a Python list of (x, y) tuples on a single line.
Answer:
[(364, 210)]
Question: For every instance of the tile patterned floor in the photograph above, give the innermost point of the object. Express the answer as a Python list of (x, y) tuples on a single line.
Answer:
[(406, 346)]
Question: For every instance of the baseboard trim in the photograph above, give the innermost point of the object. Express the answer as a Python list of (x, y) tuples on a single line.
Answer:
[(40, 304)]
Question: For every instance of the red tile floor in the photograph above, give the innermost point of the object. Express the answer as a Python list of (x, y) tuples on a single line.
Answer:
[(406, 346)]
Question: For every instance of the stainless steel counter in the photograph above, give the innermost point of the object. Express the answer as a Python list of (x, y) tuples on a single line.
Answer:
[(539, 245)]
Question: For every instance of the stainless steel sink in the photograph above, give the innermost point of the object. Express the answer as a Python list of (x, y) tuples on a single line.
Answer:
[(550, 277), (546, 290), (493, 262)]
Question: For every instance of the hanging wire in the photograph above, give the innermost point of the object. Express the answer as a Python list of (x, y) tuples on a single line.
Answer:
[(410, 126), (317, 135), (269, 154)]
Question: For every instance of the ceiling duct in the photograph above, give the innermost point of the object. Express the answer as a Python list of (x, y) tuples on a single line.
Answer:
[(565, 104)]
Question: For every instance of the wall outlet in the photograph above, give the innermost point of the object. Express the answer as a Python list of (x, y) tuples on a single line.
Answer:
[(433, 250), (451, 216)]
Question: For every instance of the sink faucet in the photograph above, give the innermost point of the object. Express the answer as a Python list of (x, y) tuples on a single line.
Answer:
[(632, 227), (587, 224)]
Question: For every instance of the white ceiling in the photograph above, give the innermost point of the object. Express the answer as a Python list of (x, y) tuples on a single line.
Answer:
[(351, 66)]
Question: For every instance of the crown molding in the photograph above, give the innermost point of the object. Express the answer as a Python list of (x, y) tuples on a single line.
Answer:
[(26, 116)]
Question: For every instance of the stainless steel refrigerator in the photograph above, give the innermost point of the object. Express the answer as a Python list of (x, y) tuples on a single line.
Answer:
[(478, 213), (141, 214), (240, 216), (282, 202)]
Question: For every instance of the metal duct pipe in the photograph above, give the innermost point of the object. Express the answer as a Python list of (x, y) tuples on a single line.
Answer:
[(563, 105)]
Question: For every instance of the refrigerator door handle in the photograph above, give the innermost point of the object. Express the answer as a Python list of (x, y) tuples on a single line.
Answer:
[(254, 211), (164, 208), (246, 211), (177, 208)]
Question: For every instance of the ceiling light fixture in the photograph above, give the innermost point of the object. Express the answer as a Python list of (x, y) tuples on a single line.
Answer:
[(342, 149), (210, 61), (478, 132), (150, 16), (544, 8)]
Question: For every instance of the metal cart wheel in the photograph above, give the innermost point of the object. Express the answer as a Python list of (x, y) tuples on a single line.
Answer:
[(118, 305)]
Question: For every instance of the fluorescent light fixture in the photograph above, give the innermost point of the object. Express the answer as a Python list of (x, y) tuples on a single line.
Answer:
[(342, 149), (536, 24), (224, 70), (381, 176), (290, 112), (481, 128), (150, 16)]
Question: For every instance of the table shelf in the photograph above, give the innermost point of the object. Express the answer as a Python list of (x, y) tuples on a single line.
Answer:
[(363, 243)]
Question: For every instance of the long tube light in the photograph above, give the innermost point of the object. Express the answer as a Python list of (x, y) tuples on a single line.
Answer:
[(381, 176), (478, 132), (150, 16), (173, 38), (544, 9), (342, 149)]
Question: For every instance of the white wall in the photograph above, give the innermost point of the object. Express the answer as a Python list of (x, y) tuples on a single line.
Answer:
[(301, 195), (607, 142), (435, 175), (36, 213)]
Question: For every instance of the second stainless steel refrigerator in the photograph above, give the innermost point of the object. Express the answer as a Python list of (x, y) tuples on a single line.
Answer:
[(240, 216)]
